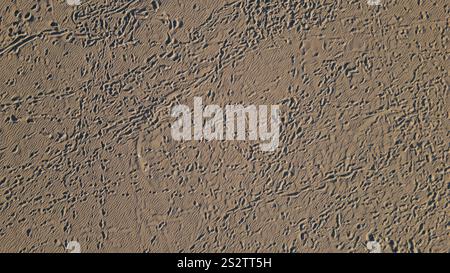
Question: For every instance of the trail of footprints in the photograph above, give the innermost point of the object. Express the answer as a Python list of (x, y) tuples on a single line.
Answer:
[(86, 153)]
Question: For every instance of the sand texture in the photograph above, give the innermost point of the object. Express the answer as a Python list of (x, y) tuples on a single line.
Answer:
[(86, 152)]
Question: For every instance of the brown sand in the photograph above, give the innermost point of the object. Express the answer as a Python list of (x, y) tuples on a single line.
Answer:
[(86, 153)]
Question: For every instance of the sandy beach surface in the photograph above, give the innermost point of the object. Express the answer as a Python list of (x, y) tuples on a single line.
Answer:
[(87, 157)]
